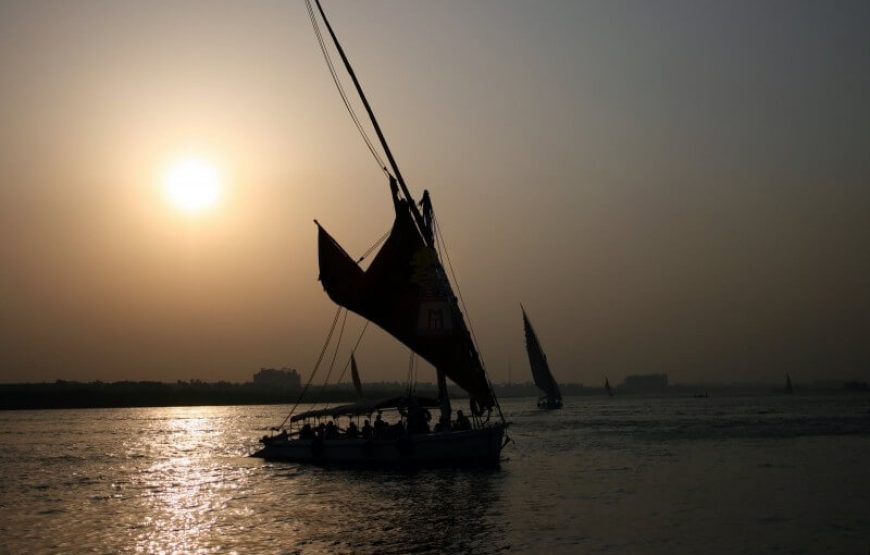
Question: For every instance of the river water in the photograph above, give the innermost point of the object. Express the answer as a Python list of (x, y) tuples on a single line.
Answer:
[(774, 474)]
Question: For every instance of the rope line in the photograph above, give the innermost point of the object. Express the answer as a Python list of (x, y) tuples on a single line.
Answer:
[(314, 371), (356, 345), (439, 238), (341, 91), (443, 246), (335, 352), (375, 245), (326, 403)]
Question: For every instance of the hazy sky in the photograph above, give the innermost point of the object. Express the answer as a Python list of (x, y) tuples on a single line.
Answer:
[(678, 187)]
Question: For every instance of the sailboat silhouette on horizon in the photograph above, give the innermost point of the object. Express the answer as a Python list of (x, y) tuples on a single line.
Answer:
[(551, 397)]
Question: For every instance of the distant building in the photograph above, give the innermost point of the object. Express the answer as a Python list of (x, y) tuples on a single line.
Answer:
[(273, 377), (645, 383)]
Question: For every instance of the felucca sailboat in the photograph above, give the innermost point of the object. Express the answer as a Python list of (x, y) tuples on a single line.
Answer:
[(405, 291), (551, 397), (354, 374)]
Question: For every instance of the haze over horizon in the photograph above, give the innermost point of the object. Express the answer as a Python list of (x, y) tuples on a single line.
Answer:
[(680, 187)]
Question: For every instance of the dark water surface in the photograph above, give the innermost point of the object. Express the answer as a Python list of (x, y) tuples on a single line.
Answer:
[(621, 475)]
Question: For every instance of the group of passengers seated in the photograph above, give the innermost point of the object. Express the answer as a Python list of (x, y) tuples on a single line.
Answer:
[(417, 419), (462, 422), (322, 431), (307, 432), (384, 430)]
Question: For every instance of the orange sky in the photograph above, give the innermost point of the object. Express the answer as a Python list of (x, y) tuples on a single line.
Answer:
[(680, 188)]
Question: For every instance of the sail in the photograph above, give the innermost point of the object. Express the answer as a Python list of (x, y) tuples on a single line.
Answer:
[(607, 387), (538, 361), (354, 373), (406, 292)]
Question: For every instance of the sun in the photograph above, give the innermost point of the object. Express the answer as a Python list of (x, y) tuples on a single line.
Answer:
[(193, 185)]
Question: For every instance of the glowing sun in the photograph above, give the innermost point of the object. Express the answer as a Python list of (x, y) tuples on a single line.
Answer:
[(193, 185)]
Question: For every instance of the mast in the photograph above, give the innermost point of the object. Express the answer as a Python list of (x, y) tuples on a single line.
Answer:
[(418, 218), (405, 289), (443, 398)]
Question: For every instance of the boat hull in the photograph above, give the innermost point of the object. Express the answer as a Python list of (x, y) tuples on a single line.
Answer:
[(480, 447)]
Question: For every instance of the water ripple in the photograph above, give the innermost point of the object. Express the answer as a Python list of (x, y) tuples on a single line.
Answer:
[(177, 480)]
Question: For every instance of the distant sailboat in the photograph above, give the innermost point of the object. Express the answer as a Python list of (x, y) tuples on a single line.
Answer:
[(607, 387), (789, 388), (354, 373), (552, 397)]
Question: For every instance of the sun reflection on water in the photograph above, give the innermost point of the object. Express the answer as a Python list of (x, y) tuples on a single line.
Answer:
[(189, 488), (178, 480)]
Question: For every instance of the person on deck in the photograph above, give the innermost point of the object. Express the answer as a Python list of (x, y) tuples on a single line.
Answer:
[(443, 424), (306, 432), (367, 430), (417, 420), (352, 431), (380, 426), (462, 422)]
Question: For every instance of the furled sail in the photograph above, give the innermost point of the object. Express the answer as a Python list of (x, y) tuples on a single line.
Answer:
[(354, 374), (405, 291), (538, 361)]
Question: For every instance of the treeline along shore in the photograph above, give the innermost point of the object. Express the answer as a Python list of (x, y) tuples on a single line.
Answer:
[(63, 394), (76, 395)]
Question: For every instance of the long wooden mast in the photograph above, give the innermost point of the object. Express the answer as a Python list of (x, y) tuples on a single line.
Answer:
[(418, 218), (425, 231)]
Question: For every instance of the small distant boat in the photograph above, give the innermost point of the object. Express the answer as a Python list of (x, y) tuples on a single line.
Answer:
[(551, 397), (789, 388), (607, 387), (354, 373)]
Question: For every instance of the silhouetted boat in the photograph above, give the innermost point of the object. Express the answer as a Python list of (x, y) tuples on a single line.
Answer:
[(354, 374), (394, 445), (551, 397), (405, 291), (789, 388)]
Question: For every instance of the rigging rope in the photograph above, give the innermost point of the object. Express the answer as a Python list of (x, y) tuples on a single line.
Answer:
[(443, 247), (314, 371), (335, 352), (373, 247), (341, 90), (334, 357), (352, 351)]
